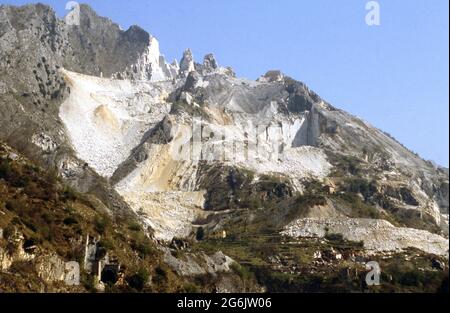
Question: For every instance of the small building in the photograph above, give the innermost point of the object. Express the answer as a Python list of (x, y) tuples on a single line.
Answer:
[(329, 187), (101, 265)]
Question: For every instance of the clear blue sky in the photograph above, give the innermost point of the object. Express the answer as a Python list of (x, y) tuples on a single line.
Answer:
[(395, 75)]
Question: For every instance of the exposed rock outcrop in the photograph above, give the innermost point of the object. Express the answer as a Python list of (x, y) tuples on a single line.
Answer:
[(187, 63), (103, 107), (377, 235)]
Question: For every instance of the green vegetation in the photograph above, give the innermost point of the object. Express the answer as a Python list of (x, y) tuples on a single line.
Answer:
[(345, 165), (231, 188), (253, 240), (54, 217), (414, 275), (139, 280), (358, 208), (242, 271), (359, 186), (257, 252), (334, 237), (414, 219), (142, 245), (70, 194), (49, 214), (5, 169), (191, 288), (135, 226), (100, 224)]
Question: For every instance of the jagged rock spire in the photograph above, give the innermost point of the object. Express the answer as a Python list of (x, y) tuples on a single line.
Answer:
[(210, 63), (187, 63)]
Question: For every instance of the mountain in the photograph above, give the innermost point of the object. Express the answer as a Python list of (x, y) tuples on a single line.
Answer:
[(257, 183)]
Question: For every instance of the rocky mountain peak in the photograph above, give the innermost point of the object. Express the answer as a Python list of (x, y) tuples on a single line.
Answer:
[(103, 107), (90, 20), (187, 63), (210, 63), (136, 33), (272, 76)]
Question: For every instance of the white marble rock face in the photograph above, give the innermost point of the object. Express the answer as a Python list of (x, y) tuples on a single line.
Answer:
[(127, 113)]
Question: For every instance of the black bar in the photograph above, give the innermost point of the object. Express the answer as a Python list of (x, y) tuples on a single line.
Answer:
[(292, 303)]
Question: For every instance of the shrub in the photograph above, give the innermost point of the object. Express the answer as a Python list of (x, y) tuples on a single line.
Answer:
[(142, 245), (8, 232), (69, 194), (191, 288), (139, 280), (15, 205), (314, 187), (106, 244), (362, 186), (24, 268), (310, 200), (411, 278), (346, 164), (33, 190), (359, 208), (334, 237), (251, 202), (100, 224), (243, 272), (11, 248), (88, 282), (160, 275), (301, 205), (134, 226), (5, 169)]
